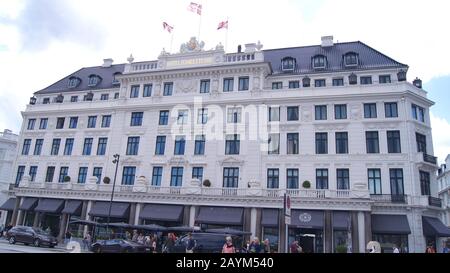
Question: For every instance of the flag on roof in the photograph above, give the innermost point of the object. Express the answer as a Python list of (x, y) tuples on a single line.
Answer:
[(196, 8), (167, 27), (223, 24)]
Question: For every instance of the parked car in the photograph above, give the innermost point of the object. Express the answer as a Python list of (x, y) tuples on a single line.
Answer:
[(206, 243), (119, 246), (30, 235)]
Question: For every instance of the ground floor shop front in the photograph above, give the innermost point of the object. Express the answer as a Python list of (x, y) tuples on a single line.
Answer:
[(316, 231)]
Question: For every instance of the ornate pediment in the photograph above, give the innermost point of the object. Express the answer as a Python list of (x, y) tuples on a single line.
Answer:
[(231, 160), (192, 46), (177, 160)]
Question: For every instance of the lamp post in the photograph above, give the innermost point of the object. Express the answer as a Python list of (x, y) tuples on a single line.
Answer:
[(115, 161)]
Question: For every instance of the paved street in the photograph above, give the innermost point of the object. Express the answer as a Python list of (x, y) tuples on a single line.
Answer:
[(5, 247)]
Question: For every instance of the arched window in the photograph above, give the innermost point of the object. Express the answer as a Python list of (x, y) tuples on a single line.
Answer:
[(288, 64), (319, 62), (94, 80), (73, 82), (351, 59)]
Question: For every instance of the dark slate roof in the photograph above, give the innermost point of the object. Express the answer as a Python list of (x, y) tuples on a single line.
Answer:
[(369, 58), (105, 73)]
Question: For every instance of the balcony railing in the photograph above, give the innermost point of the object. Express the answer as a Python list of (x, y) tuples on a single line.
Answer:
[(388, 198), (434, 202), (430, 159)]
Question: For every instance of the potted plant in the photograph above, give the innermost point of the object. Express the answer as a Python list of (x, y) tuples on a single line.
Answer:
[(207, 183), (341, 249), (106, 180), (306, 184), (66, 178)]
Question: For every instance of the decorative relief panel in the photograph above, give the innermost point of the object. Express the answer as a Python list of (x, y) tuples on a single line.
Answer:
[(355, 111), (306, 113), (185, 85)]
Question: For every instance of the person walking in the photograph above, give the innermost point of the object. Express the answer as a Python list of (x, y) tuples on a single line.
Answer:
[(68, 237), (87, 240), (135, 236), (228, 247), (395, 249), (190, 244), (170, 242), (266, 246), (295, 247), (255, 246)]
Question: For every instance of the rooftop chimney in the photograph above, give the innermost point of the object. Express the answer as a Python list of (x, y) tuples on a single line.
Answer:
[(418, 83), (239, 48), (107, 62), (327, 41)]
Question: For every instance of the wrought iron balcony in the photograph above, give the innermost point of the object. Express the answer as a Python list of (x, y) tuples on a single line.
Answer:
[(434, 202), (389, 198), (430, 159)]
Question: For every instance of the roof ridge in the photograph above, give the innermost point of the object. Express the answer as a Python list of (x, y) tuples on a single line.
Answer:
[(382, 54), (60, 80), (318, 45)]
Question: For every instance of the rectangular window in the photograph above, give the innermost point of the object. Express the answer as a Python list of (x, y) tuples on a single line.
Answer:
[(104, 97), (134, 91), (232, 144), (343, 179), (87, 147), (393, 140), (294, 84), (133, 145), (292, 178), (182, 117), (33, 172), (136, 118), (160, 145), (228, 84), (396, 177), (372, 143), (101, 147), (106, 121), (338, 82), (82, 175), (421, 141), (168, 89), (370, 110), (60, 123), (321, 112), (176, 177), (63, 171), (92, 121), (204, 86), (26, 146), (274, 114), (180, 144), (98, 173), (202, 116), (366, 80), (277, 85), (199, 145), (31, 123), (73, 98), (273, 178), (50, 174), (322, 179), (374, 176), (38, 146), (20, 173), (292, 143), (340, 111), (55, 146), (243, 83), (418, 113), (43, 123), (425, 183), (321, 143), (157, 176), (390, 110), (320, 83), (147, 90), (68, 146), (230, 177), (73, 122), (116, 95), (197, 173), (46, 101), (274, 144), (341, 142), (385, 78), (234, 114), (128, 175), (292, 113), (164, 117)]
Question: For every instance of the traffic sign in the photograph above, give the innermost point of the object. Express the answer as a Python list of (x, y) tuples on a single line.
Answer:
[(287, 204), (287, 220)]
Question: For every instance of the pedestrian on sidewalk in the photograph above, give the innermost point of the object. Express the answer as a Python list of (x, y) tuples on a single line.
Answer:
[(87, 240), (68, 237)]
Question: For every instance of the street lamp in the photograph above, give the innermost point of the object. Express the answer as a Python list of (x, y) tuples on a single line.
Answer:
[(115, 161)]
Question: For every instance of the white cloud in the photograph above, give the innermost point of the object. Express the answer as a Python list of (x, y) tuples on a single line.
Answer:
[(441, 137)]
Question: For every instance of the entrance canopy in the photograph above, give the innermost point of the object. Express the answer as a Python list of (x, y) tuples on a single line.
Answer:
[(313, 219), (72, 207), (341, 220), (167, 213), (9, 204), (220, 216), (390, 224), (434, 227), (270, 217), (29, 203), (50, 205), (118, 210)]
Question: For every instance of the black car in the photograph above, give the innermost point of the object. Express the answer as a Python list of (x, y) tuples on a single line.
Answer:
[(205, 243), (119, 246), (30, 235)]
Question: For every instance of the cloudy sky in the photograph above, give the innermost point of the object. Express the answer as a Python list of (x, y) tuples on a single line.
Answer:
[(41, 41)]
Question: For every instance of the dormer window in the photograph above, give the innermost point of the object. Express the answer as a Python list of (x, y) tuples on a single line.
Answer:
[(288, 64), (115, 80), (319, 62), (73, 82), (93, 80), (351, 59)]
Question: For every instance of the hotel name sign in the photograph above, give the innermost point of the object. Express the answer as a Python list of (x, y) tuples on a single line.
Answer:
[(190, 62)]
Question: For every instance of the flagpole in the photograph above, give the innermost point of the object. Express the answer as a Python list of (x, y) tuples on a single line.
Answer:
[(226, 36), (171, 41), (200, 23)]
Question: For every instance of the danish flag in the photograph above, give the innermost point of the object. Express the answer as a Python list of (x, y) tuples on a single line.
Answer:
[(223, 24), (167, 27), (196, 8)]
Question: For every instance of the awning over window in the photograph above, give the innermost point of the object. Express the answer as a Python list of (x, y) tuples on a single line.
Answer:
[(434, 227), (307, 219), (50, 205), (156, 212), (270, 217), (118, 210), (220, 216), (390, 224), (73, 207), (9, 204), (28, 203), (341, 220)]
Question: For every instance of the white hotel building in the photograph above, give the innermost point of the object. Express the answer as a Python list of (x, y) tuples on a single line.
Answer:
[(255, 124)]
